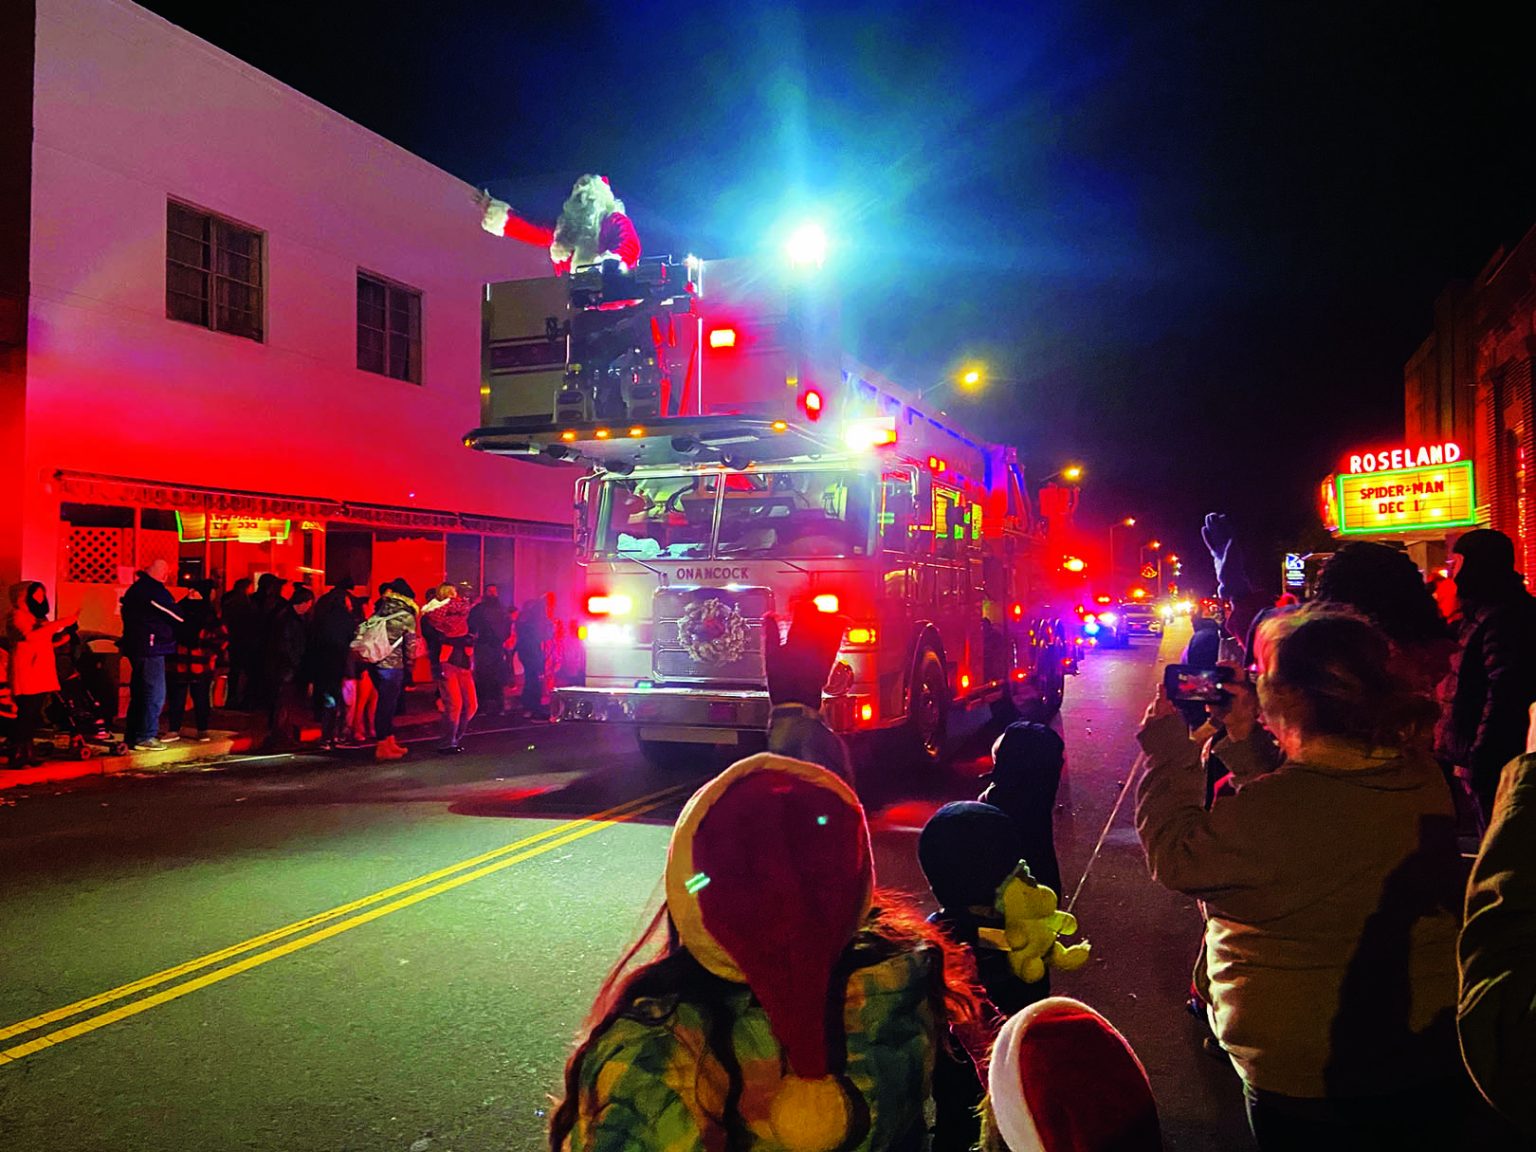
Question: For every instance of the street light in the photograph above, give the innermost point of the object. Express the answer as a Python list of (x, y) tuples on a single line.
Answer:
[(1072, 474), (971, 379)]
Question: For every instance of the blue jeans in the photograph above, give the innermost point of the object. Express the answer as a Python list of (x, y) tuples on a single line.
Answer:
[(146, 699), (389, 683)]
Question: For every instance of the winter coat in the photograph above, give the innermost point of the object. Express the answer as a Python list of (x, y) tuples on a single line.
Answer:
[(491, 625), (1497, 1014), (149, 618), (1490, 686), (201, 642), (1332, 892), (282, 639), (33, 669), (653, 1081), (400, 621), (446, 632), (332, 624)]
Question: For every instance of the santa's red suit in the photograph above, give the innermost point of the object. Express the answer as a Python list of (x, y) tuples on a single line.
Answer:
[(616, 238)]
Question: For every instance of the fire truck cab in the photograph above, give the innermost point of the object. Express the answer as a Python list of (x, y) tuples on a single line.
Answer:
[(733, 464)]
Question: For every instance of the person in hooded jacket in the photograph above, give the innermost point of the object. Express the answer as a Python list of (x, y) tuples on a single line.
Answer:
[(149, 636), (1330, 953), (34, 673), (1493, 678), (239, 615)]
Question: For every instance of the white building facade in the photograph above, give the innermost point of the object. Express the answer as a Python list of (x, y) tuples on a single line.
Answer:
[(237, 330)]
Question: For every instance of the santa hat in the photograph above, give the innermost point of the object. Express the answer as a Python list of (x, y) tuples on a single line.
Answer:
[(769, 876), (1063, 1080)]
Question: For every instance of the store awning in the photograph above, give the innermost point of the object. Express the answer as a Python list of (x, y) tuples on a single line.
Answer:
[(92, 488)]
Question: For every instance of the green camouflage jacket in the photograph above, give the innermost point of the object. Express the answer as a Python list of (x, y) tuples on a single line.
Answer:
[(653, 1082)]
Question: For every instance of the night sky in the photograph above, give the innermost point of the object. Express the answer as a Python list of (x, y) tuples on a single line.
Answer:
[(1194, 242)]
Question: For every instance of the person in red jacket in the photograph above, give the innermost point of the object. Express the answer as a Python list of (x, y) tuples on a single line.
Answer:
[(592, 228), (33, 672)]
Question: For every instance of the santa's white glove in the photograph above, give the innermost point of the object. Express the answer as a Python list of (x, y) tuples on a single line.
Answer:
[(494, 220)]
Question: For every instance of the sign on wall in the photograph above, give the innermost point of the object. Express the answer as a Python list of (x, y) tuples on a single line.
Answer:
[(1295, 572), (195, 527), (1390, 503)]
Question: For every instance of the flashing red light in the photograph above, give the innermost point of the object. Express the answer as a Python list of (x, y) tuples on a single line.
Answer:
[(722, 338), (811, 402), (1104, 599), (866, 712), (826, 602), (1020, 674), (1017, 611), (965, 681), (936, 465)]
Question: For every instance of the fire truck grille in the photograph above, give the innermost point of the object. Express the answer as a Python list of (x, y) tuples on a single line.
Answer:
[(705, 644)]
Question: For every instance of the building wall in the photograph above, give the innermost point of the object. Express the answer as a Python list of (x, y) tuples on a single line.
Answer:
[(130, 111)]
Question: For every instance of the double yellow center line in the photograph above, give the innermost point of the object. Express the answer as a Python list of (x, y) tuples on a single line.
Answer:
[(311, 930)]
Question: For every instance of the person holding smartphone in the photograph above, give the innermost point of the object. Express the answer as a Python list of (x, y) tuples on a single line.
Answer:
[(1331, 887)]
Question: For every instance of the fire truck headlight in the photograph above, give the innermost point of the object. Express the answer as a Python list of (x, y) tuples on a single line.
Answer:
[(826, 602), (602, 634), (1108, 618), (610, 605)]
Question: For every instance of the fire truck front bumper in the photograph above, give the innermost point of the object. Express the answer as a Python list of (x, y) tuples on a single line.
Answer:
[(688, 715), (683, 714)]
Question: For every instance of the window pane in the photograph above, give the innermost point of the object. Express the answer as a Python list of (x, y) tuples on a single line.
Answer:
[(399, 357), (370, 350)]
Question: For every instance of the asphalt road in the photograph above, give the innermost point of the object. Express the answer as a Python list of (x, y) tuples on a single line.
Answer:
[(305, 953)]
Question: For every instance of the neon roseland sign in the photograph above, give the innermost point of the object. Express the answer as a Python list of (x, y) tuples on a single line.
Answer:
[(1397, 459), (1403, 490)]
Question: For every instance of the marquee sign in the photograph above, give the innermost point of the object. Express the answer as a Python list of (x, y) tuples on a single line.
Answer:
[(1391, 502), (1396, 459)]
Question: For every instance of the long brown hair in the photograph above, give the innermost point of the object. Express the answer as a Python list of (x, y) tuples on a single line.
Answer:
[(658, 967)]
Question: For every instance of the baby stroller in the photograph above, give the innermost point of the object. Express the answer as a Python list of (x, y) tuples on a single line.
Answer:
[(81, 708)]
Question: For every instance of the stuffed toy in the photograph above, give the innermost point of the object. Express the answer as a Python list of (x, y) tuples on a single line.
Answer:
[(592, 228), (1031, 925)]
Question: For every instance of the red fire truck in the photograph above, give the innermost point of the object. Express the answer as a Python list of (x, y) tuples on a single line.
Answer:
[(734, 464)]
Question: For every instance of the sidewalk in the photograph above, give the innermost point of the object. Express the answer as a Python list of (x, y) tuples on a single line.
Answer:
[(233, 733)]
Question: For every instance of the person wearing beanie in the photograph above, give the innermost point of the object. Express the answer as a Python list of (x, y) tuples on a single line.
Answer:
[(967, 850), (1061, 1079), (1027, 762), (1493, 678), (786, 1004), (397, 606)]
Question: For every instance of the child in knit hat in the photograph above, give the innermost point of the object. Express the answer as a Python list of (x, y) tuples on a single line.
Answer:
[(781, 1003), (1062, 1079), (1027, 761), (967, 851)]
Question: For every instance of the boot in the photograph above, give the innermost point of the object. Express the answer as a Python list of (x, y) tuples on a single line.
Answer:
[(383, 751), (398, 748)]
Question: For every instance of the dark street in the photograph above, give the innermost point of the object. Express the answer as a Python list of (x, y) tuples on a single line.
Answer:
[(313, 954)]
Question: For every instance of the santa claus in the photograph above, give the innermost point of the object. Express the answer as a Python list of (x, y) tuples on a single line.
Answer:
[(592, 228)]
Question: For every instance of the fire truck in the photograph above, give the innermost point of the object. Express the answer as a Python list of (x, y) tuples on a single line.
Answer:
[(733, 463)]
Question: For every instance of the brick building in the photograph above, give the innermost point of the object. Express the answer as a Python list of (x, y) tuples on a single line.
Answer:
[(1470, 382)]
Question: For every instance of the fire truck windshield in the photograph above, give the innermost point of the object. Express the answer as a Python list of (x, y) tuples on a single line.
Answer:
[(790, 513)]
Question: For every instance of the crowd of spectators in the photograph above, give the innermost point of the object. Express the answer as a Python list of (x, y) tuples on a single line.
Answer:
[(292, 662)]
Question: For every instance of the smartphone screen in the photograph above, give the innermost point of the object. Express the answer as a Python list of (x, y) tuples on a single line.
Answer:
[(1186, 684)]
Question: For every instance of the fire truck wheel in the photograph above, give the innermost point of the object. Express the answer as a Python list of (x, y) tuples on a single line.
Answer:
[(929, 722)]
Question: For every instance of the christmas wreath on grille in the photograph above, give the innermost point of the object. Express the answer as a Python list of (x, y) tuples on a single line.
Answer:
[(712, 632)]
